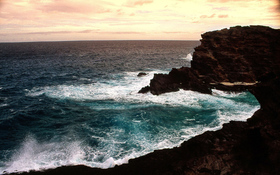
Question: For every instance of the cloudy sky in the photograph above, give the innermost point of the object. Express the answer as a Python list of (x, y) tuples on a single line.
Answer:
[(60, 20)]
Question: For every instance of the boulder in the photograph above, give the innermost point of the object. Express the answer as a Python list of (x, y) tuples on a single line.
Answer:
[(141, 74), (183, 78)]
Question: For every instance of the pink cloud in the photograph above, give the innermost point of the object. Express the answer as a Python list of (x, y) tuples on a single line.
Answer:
[(275, 8), (63, 6), (221, 8), (132, 3), (59, 32), (195, 22), (81, 32), (175, 32), (205, 16), (124, 33), (223, 16), (222, 1), (141, 2), (213, 15)]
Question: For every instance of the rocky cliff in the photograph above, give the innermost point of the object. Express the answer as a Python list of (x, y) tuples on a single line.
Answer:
[(233, 59), (238, 54), (229, 59)]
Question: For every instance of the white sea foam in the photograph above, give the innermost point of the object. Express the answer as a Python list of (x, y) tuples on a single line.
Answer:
[(121, 90), (198, 129), (223, 117), (35, 155), (241, 114), (188, 57), (4, 101), (126, 90), (3, 105), (225, 93)]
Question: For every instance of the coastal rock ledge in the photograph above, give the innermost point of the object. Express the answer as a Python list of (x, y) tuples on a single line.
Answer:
[(229, 59), (235, 59)]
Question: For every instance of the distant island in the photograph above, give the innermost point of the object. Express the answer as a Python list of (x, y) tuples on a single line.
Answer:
[(235, 59)]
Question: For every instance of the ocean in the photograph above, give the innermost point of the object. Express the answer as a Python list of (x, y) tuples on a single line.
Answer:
[(70, 103)]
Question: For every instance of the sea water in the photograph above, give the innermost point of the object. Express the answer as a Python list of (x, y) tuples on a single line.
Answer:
[(70, 103)]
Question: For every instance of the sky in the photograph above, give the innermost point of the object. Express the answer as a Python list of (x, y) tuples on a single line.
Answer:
[(67, 20)]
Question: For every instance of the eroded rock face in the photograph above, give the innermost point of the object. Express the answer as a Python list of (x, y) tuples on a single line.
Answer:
[(241, 54), (238, 54), (183, 78)]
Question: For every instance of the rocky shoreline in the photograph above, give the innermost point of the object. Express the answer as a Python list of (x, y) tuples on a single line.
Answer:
[(235, 59), (229, 59)]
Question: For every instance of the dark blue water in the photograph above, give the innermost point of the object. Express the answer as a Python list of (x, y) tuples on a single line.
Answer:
[(68, 103)]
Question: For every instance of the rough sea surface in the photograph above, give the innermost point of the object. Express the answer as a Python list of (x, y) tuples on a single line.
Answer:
[(69, 103)]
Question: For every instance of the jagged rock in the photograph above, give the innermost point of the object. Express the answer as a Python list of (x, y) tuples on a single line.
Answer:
[(141, 74), (144, 90), (183, 78), (238, 54)]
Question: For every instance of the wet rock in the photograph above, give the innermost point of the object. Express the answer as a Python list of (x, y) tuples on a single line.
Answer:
[(144, 90), (183, 78), (141, 74)]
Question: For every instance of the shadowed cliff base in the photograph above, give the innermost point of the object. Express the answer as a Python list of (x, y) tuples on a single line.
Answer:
[(235, 59)]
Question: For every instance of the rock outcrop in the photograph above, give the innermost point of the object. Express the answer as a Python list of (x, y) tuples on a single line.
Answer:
[(141, 74), (183, 78), (233, 59), (229, 59), (238, 54)]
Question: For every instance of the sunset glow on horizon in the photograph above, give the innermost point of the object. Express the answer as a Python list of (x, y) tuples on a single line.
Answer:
[(67, 20)]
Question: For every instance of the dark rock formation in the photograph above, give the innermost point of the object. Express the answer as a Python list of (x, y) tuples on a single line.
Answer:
[(144, 90), (183, 78), (250, 147), (238, 54), (141, 74)]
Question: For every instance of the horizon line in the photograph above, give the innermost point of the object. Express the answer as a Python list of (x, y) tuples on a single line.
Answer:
[(56, 41)]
